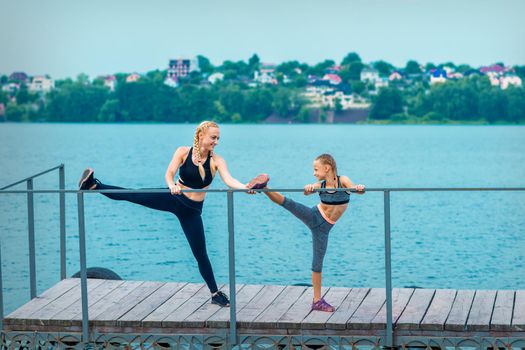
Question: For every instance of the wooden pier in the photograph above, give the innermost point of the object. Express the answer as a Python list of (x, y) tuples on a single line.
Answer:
[(158, 307)]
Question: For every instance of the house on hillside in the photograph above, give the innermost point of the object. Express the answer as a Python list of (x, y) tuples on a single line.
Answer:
[(438, 75), (370, 75), (333, 79), (216, 77), (110, 81), (181, 67), (132, 78), (19, 77), (41, 83), (395, 76)]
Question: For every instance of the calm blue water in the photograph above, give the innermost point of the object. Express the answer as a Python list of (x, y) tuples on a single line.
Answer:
[(439, 240)]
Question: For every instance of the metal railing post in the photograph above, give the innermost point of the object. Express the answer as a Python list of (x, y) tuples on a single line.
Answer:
[(83, 270), (62, 186), (31, 234), (231, 254), (1, 295), (388, 273)]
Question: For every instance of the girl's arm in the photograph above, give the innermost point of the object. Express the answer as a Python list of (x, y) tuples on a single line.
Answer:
[(347, 183), (174, 165), (309, 189), (228, 179)]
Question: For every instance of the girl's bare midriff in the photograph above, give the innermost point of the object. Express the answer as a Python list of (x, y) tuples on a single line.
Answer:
[(333, 212)]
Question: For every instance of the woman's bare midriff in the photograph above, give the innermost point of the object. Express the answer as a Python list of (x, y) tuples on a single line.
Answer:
[(333, 212), (194, 196)]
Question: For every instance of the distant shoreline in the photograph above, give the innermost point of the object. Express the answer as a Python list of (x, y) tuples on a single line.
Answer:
[(371, 122)]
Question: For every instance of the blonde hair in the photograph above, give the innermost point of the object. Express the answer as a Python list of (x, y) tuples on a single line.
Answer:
[(197, 149), (327, 159)]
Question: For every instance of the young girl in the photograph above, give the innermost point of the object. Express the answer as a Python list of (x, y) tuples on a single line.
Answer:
[(321, 218)]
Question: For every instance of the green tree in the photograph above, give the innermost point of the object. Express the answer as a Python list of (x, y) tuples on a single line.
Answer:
[(462, 68), (352, 71), (303, 116), (289, 68), (205, 65), (15, 113), (520, 72), (23, 96), (254, 63), (412, 67), (76, 103), (338, 106), (358, 87), (515, 104), (3, 97), (320, 68), (384, 68), (430, 66), (388, 102), (352, 57), (83, 79), (258, 104), (109, 112)]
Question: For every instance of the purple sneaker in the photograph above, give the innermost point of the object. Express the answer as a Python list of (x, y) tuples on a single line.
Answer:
[(322, 305), (259, 182)]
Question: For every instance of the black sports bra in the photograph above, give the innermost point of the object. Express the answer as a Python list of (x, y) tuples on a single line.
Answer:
[(189, 174), (334, 198)]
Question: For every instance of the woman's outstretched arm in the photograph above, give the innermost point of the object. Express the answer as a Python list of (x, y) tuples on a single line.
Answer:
[(228, 179)]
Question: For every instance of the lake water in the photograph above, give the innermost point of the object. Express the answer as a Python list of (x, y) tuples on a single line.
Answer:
[(439, 239)]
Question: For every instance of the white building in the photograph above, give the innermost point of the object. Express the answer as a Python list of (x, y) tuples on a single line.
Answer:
[(381, 83), (11, 88), (41, 83), (505, 81), (370, 75), (171, 81), (266, 74), (438, 76), (319, 97), (110, 82), (215, 77), (182, 67)]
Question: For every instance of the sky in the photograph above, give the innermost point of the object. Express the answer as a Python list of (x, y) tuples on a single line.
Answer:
[(64, 38)]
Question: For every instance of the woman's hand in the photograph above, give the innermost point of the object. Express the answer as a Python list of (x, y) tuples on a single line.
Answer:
[(175, 189), (309, 189)]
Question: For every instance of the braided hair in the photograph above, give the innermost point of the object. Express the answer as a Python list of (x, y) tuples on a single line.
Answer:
[(197, 149)]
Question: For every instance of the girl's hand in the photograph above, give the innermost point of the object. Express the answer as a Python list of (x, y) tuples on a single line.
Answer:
[(250, 191), (175, 189), (360, 188), (309, 189)]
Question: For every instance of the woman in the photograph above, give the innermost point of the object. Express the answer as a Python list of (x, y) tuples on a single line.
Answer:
[(321, 218), (197, 166)]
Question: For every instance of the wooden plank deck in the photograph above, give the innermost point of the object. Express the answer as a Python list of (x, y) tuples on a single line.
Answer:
[(145, 306)]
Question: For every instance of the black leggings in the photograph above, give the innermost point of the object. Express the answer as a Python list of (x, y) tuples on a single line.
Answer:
[(189, 214)]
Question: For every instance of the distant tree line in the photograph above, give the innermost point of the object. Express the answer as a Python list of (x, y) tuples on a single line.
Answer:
[(234, 99)]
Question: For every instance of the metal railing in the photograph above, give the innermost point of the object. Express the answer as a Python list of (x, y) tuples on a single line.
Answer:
[(233, 335), (31, 223)]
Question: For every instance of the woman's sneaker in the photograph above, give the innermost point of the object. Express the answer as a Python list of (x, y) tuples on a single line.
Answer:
[(259, 182), (220, 299), (322, 305), (87, 181)]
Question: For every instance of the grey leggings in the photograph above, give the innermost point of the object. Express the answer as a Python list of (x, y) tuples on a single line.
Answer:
[(317, 224)]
